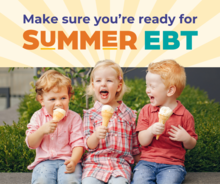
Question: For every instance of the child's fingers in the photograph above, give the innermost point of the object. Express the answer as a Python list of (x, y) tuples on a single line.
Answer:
[(69, 171), (172, 134), (102, 136), (102, 131), (69, 168), (180, 127), (160, 128), (54, 125), (103, 128), (66, 162), (173, 131), (161, 125), (174, 127), (173, 138)]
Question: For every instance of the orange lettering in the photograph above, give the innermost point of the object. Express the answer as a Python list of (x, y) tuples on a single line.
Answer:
[(129, 43), (85, 38), (106, 38), (52, 38), (72, 38), (27, 36)]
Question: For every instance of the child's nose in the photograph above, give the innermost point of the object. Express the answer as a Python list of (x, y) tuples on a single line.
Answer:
[(147, 90), (58, 103), (103, 83)]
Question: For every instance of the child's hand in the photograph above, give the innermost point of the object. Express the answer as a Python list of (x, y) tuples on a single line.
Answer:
[(49, 127), (157, 128), (101, 132), (70, 166), (178, 134)]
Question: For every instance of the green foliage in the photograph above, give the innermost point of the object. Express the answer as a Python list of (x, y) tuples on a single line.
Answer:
[(28, 105), (15, 155), (137, 98), (205, 156)]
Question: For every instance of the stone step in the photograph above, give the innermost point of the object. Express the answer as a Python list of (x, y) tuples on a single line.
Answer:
[(191, 178)]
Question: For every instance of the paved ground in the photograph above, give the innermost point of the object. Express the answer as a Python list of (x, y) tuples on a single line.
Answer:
[(191, 178), (9, 115)]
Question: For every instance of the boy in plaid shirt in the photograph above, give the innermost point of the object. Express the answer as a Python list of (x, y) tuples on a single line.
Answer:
[(111, 149)]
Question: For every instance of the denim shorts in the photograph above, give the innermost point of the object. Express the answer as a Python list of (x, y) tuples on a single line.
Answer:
[(52, 172), (151, 173)]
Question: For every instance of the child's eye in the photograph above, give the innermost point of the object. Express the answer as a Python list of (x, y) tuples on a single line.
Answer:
[(64, 98), (52, 99), (109, 80)]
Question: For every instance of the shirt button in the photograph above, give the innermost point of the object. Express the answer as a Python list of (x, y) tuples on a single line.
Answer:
[(108, 158), (115, 117), (115, 134)]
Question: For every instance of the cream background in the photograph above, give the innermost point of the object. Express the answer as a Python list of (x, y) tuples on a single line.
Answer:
[(205, 51)]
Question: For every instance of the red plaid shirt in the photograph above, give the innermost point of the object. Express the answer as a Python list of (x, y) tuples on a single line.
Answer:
[(113, 155)]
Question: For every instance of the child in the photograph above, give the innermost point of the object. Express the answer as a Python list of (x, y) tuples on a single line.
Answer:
[(162, 160), (110, 150), (59, 146)]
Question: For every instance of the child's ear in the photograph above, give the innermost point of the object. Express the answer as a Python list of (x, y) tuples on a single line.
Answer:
[(119, 87), (171, 91), (40, 99)]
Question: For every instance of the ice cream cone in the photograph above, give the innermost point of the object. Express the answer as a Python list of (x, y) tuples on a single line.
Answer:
[(164, 115), (106, 116), (107, 112), (58, 114)]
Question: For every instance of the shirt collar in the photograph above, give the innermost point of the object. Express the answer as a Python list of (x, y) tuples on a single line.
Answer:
[(178, 110), (98, 106), (45, 112)]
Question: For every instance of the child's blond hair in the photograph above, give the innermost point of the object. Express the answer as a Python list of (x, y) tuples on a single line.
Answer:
[(51, 79), (114, 66), (172, 74)]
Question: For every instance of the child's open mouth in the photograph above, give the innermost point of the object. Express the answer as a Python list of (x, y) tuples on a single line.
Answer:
[(104, 94), (151, 99)]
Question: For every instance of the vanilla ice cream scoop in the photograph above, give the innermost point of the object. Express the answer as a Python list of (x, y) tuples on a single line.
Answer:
[(164, 115), (58, 114), (165, 111), (107, 112)]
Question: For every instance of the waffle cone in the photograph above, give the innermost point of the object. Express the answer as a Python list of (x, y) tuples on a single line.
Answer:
[(57, 116), (106, 116), (162, 119)]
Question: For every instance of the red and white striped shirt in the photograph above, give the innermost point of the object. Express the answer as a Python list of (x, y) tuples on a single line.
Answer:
[(113, 155)]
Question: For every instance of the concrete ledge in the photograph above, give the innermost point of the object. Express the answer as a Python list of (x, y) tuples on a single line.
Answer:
[(191, 178), (202, 178), (15, 178)]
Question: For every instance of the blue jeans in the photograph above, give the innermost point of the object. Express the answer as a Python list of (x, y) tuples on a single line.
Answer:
[(150, 173), (52, 172), (112, 180)]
